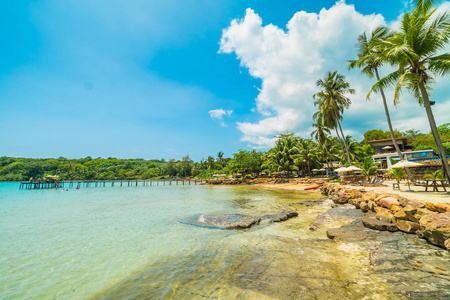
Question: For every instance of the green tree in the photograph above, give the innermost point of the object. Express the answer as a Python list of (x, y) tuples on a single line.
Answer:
[(332, 101), (369, 167), (283, 154), (416, 49)]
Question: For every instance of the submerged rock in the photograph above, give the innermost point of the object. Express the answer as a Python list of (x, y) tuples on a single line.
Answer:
[(225, 221), (343, 214), (237, 221)]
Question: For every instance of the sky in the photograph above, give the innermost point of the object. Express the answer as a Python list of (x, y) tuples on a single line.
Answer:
[(168, 78)]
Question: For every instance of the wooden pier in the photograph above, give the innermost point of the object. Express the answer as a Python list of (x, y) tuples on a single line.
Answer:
[(64, 184)]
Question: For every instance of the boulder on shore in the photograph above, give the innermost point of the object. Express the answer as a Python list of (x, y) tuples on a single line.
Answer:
[(436, 228), (373, 223)]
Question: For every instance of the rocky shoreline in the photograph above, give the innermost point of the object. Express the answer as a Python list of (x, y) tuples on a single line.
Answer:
[(391, 212)]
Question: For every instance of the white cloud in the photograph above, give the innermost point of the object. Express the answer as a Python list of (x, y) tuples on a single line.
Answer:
[(290, 62), (218, 114)]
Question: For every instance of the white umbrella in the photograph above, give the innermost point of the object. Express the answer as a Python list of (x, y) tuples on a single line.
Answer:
[(353, 168), (341, 169), (315, 170), (388, 147), (405, 164)]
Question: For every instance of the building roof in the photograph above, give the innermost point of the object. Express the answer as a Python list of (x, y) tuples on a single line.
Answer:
[(388, 140)]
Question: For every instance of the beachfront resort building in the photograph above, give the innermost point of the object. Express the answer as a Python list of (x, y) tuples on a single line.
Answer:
[(384, 150)]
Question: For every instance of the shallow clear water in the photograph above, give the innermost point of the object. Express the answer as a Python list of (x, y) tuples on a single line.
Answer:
[(126, 242)]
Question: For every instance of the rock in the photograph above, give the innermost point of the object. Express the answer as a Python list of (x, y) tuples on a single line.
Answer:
[(407, 226), (356, 202), (442, 207), (225, 221), (422, 212), (378, 198), (376, 224), (337, 216), (279, 217), (364, 206), (395, 208), (447, 244), (372, 205), (430, 206), (411, 202), (410, 213), (387, 202), (384, 215), (401, 215), (436, 228), (370, 196), (346, 195)]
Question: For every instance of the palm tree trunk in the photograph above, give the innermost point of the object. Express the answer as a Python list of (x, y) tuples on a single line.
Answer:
[(345, 143), (342, 146), (388, 118), (437, 138)]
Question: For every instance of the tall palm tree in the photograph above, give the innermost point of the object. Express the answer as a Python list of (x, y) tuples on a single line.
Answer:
[(220, 158), (369, 60), (332, 100), (329, 122), (320, 134), (416, 50)]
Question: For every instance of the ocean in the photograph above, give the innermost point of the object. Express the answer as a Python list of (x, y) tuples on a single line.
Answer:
[(132, 243)]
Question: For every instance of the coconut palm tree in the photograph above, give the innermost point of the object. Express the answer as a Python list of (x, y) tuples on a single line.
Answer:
[(416, 49), (320, 134), (332, 101), (307, 153), (220, 158), (283, 154), (368, 167), (369, 60)]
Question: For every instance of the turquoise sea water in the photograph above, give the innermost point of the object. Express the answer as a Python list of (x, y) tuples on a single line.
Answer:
[(126, 242)]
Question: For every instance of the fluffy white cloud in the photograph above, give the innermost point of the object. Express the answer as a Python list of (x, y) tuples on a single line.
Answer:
[(218, 114), (290, 62)]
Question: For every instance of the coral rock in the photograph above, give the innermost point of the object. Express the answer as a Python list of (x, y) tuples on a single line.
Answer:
[(387, 202)]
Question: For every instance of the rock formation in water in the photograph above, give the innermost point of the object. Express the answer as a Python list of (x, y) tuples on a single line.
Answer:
[(238, 221)]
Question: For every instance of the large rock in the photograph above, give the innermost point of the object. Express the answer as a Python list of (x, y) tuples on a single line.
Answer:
[(384, 215), (337, 216), (411, 202), (387, 202), (279, 217), (407, 226), (237, 221), (442, 207), (346, 195), (436, 228), (373, 223), (370, 196), (447, 244), (225, 221)]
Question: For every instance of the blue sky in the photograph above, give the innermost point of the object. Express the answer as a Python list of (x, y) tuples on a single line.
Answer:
[(162, 79)]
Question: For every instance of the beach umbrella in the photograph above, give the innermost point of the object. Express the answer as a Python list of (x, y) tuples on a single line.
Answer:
[(353, 168), (387, 147), (341, 169), (406, 164), (322, 170), (315, 170)]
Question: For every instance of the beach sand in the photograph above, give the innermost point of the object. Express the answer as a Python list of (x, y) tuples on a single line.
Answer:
[(418, 194)]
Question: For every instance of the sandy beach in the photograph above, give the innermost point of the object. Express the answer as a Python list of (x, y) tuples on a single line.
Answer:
[(418, 194)]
